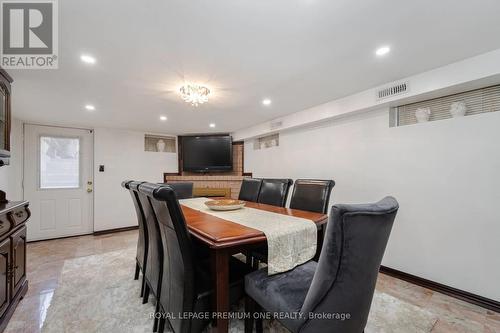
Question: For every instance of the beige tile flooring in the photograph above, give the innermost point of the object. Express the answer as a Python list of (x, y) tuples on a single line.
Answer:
[(46, 259)]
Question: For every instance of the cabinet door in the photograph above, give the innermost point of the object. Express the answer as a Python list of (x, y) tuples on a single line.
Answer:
[(18, 240), (4, 275)]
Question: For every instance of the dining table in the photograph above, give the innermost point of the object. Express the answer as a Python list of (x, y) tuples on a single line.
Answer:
[(225, 238)]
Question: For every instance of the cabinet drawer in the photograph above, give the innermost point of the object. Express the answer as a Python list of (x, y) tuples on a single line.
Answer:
[(18, 216)]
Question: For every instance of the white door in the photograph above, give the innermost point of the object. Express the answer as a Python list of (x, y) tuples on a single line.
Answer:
[(58, 181)]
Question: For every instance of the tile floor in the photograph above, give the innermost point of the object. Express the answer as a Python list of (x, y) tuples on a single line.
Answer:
[(46, 259)]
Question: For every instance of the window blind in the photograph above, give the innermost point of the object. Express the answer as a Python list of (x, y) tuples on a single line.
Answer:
[(477, 101), (156, 143), (268, 141)]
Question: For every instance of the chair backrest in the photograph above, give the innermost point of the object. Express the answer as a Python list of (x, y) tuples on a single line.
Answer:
[(153, 272), (312, 195), (143, 241), (183, 190), (274, 191), (178, 284), (344, 281), (250, 188)]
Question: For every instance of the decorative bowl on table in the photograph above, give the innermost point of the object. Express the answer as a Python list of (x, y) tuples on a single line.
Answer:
[(225, 204)]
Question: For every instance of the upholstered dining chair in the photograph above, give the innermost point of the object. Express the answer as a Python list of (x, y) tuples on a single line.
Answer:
[(141, 257), (186, 281), (154, 268), (274, 191), (183, 190), (341, 283), (250, 188), (312, 195), (308, 194)]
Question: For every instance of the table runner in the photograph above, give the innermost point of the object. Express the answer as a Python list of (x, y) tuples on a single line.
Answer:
[(291, 240)]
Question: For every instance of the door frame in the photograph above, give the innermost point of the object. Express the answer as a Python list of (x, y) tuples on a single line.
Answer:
[(92, 163)]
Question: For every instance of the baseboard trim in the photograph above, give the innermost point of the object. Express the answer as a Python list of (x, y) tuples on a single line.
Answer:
[(55, 238), (111, 231), (444, 289)]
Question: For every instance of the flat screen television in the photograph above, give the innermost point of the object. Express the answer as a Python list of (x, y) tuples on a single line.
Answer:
[(205, 153)]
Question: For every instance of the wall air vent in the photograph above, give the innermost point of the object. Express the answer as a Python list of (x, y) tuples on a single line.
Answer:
[(394, 90)]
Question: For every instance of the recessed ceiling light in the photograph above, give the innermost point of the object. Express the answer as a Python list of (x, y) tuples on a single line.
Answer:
[(266, 101), (88, 59), (163, 118), (212, 125), (89, 107), (383, 50)]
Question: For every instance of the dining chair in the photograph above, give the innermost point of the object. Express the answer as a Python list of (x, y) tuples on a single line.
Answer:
[(274, 191), (312, 195), (308, 194), (154, 268), (186, 280), (250, 188), (183, 190), (141, 257), (341, 283)]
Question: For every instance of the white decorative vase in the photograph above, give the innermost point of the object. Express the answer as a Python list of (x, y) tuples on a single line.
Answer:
[(160, 146), (458, 109), (423, 114)]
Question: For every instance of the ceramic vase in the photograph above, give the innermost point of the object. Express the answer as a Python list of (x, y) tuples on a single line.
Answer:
[(458, 109), (423, 114), (160, 145)]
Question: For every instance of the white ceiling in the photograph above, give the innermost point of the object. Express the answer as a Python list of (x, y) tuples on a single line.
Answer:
[(299, 53)]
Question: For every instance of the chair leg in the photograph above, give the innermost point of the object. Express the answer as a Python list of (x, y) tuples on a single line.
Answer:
[(143, 283), (157, 320), (161, 325), (255, 264), (249, 310), (145, 298), (248, 259), (136, 275)]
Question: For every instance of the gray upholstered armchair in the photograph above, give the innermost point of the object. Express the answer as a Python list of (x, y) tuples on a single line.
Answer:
[(340, 285)]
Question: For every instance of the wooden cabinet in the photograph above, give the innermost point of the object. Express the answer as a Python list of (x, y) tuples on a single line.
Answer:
[(13, 283), (5, 256), (18, 243), (5, 116)]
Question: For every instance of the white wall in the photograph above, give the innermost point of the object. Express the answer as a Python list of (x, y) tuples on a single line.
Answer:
[(472, 73), (122, 153), (445, 175), (11, 175)]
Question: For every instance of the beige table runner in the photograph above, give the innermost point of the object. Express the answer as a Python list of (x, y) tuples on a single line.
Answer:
[(291, 240)]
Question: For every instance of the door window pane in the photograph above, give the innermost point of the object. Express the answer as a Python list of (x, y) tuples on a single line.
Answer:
[(59, 162)]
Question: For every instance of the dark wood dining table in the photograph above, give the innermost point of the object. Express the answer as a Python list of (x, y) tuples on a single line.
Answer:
[(225, 238)]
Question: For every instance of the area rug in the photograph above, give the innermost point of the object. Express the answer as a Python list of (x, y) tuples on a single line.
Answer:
[(98, 294)]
